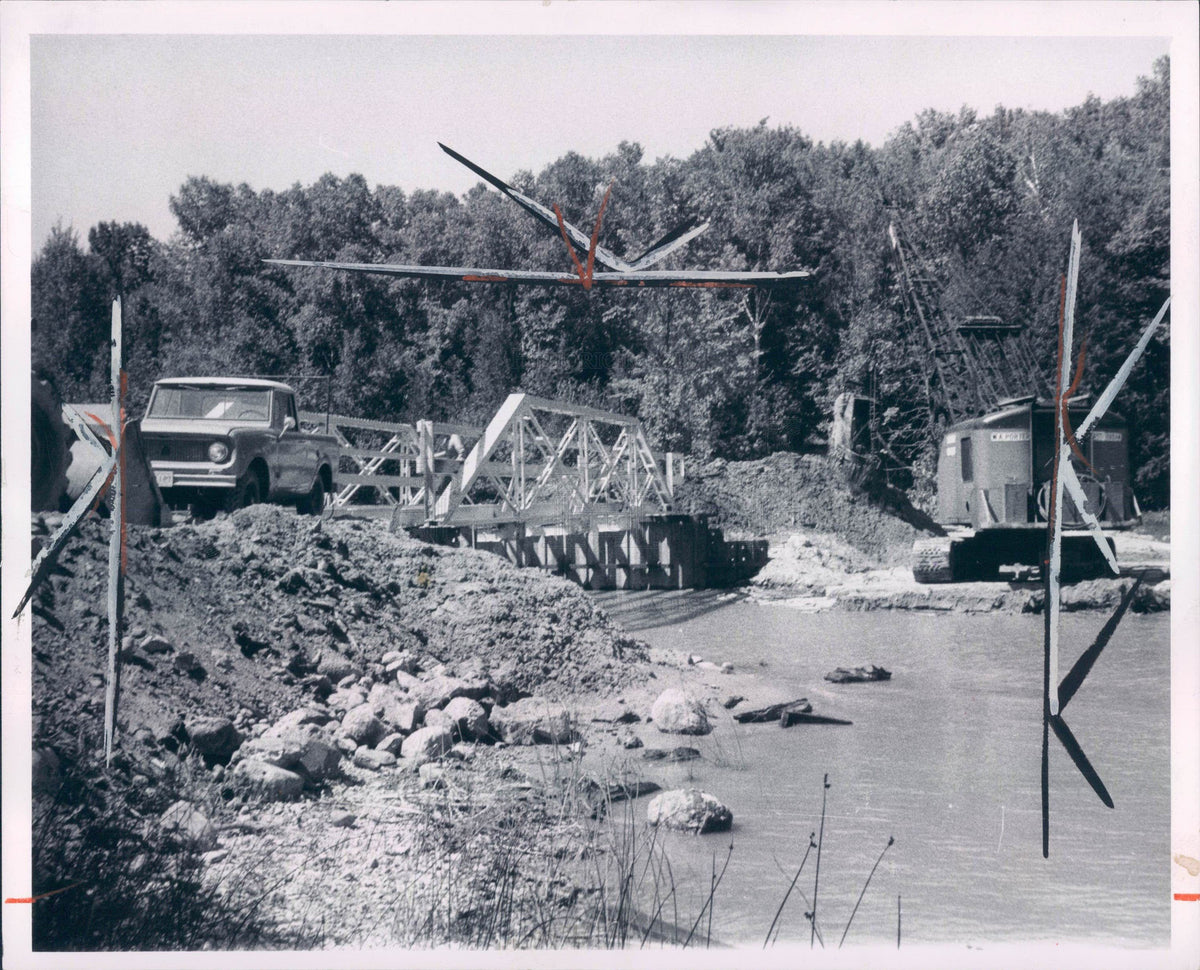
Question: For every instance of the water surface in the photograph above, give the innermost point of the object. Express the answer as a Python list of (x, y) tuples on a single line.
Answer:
[(946, 758)]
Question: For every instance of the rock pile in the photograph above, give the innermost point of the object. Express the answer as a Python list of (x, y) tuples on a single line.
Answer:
[(232, 622)]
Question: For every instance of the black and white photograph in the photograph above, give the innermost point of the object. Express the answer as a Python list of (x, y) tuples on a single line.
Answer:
[(565, 483)]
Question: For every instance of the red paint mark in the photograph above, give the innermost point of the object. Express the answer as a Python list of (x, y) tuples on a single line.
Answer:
[(591, 263), (485, 279), (113, 441), (1188, 897), (586, 276), (30, 899), (103, 426), (570, 249), (1066, 416)]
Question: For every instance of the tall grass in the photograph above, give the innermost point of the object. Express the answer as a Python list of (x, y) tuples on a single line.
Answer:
[(564, 861), (125, 884), (497, 860)]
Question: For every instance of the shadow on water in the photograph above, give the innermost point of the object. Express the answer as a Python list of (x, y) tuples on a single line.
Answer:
[(637, 610)]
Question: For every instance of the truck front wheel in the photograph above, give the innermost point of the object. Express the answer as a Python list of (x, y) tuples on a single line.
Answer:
[(246, 493)]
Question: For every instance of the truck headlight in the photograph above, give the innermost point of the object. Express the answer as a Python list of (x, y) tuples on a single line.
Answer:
[(218, 451)]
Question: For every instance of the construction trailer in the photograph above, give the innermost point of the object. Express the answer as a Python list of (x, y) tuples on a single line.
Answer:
[(994, 476), (987, 403)]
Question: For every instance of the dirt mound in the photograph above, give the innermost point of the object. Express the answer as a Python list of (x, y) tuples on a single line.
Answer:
[(786, 493), (810, 561), (243, 613)]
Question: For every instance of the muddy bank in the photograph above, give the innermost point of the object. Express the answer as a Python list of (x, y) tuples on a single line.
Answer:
[(787, 492), (813, 571)]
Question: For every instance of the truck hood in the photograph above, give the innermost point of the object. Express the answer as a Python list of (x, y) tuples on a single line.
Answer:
[(200, 427)]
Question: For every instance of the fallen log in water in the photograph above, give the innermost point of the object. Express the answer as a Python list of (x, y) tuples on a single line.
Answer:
[(858, 675), (788, 718), (772, 712)]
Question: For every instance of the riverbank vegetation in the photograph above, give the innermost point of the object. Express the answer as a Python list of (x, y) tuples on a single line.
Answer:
[(988, 199)]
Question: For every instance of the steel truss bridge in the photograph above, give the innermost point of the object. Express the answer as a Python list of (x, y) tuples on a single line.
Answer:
[(538, 463)]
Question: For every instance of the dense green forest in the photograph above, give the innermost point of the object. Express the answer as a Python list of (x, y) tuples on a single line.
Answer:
[(989, 201)]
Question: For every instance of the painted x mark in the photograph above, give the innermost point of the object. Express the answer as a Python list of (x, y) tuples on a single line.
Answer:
[(586, 276)]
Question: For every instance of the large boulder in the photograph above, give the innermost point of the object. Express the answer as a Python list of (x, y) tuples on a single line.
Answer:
[(392, 744), (689, 810), (426, 744), (361, 724), (533, 721), (268, 782), (214, 737), (318, 761), (676, 713), (469, 718), (345, 699), (399, 660), (437, 718), (373, 760), (406, 681), (396, 712), (302, 715), (336, 667), (295, 745), (439, 690), (186, 825)]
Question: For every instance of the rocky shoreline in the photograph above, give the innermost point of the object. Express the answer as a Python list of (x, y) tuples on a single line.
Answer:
[(333, 834), (331, 736), (323, 728), (812, 572)]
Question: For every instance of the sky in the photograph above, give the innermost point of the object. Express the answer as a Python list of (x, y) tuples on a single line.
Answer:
[(119, 121)]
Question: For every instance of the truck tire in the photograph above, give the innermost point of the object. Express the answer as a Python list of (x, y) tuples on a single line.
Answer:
[(314, 502), (246, 493), (933, 560)]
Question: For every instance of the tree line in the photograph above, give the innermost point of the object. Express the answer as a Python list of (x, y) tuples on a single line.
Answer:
[(988, 200)]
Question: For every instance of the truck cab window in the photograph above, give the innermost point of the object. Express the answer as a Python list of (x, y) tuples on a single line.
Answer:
[(289, 410)]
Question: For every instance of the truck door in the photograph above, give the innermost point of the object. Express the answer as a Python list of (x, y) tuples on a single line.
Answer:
[(295, 476)]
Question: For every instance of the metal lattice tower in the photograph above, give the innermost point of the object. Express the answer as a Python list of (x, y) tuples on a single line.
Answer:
[(974, 364)]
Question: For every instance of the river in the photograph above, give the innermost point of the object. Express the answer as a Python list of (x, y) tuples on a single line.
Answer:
[(946, 758)]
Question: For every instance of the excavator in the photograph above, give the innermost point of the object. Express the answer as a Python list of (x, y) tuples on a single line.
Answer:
[(993, 414)]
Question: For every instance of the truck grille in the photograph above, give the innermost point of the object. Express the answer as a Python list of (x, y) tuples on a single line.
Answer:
[(176, 449)]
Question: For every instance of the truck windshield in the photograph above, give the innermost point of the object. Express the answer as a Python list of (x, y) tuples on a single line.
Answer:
[(223, 403)]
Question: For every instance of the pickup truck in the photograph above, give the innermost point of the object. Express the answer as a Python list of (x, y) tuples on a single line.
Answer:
[(221, 443)]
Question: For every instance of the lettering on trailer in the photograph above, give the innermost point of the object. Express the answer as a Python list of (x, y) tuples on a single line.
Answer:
[(1010, 435), (1106, 436)]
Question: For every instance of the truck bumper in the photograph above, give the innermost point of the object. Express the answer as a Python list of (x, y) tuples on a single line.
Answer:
[(170, 475)]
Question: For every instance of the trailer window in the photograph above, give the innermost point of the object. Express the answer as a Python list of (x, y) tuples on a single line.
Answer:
[(968, 466)]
